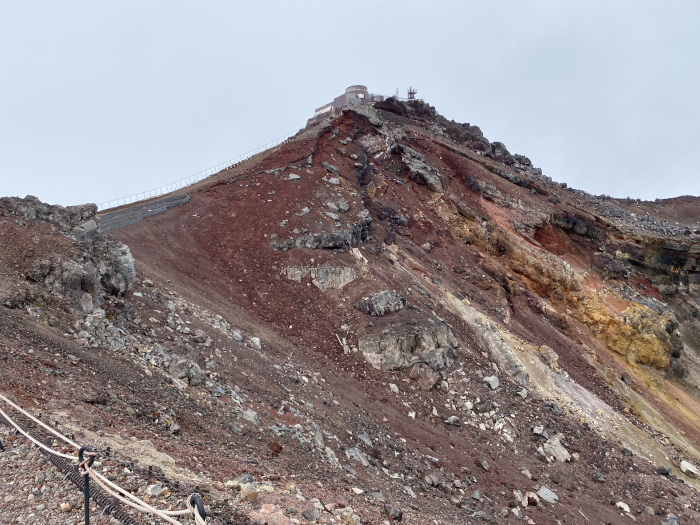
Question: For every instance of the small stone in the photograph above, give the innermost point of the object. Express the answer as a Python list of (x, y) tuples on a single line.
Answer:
[(65, 507), (689, 469), (254, 342), (304, 211), (358, 490), (237, 335), (530, 499), (154, 490), (365, 439), (311, 514), (395, 513), (294, 176), (492, 381), (476, 495), (251, 416), (249, 492), (237, 482), (355, 454), (622, 506), (331, 169), (484, 465), (547, 495), (393, 388), (454, 421), (335, 181)]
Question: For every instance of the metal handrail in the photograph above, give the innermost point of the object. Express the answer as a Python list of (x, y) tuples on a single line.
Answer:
[(187, 181)]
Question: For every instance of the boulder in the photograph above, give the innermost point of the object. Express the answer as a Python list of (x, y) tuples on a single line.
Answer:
[(251, 416), (331, 169), (425, 376), (553, 447), (269, 515), (355, 454), (689, 469), (418, 170), (198, 337), (392, 512), (249, 492), (548, 496), (312, 514), (492, 381), (179, 367), (431, 345), (326, 277), (381, 303)]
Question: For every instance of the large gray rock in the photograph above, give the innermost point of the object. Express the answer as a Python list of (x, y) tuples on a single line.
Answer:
[(311, 514), (492, 381), (418, 170), (500, 152), (553, 447), (547, 495), (425, 377), (381, 303), (179, 367), (331, 169), (340, 240), (689, 469), (355, 454), (251, 416), (431, 345)]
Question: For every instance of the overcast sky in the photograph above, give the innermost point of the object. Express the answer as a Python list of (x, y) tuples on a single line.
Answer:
[(100, 100)]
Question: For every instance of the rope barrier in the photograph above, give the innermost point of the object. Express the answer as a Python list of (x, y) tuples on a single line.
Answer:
[(86, 457), (19, 429), (178, 184), (39, 422)]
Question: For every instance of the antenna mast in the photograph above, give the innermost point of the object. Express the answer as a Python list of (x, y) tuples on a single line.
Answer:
[(412, 93)]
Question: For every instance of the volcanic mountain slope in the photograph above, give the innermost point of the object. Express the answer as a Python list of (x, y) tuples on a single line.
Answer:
[(387, 317)]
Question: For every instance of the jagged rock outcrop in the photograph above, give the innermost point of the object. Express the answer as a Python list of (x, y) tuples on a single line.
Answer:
[(79, 222), (326, 277), (342, 240), (432, 345), (381, 303), (102, 266), (418, 170)]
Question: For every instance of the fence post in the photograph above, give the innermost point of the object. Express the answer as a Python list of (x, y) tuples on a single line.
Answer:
[(86, 479)]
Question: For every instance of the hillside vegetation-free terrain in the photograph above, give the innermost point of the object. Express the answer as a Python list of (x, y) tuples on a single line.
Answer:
[(386, 318)]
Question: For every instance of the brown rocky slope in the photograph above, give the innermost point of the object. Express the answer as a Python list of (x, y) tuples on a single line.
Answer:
[(386, 312)]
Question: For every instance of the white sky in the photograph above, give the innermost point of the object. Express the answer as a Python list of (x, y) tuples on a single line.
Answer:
[(100, 100)]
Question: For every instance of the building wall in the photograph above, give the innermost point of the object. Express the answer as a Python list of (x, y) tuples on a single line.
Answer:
[(354, 96)]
